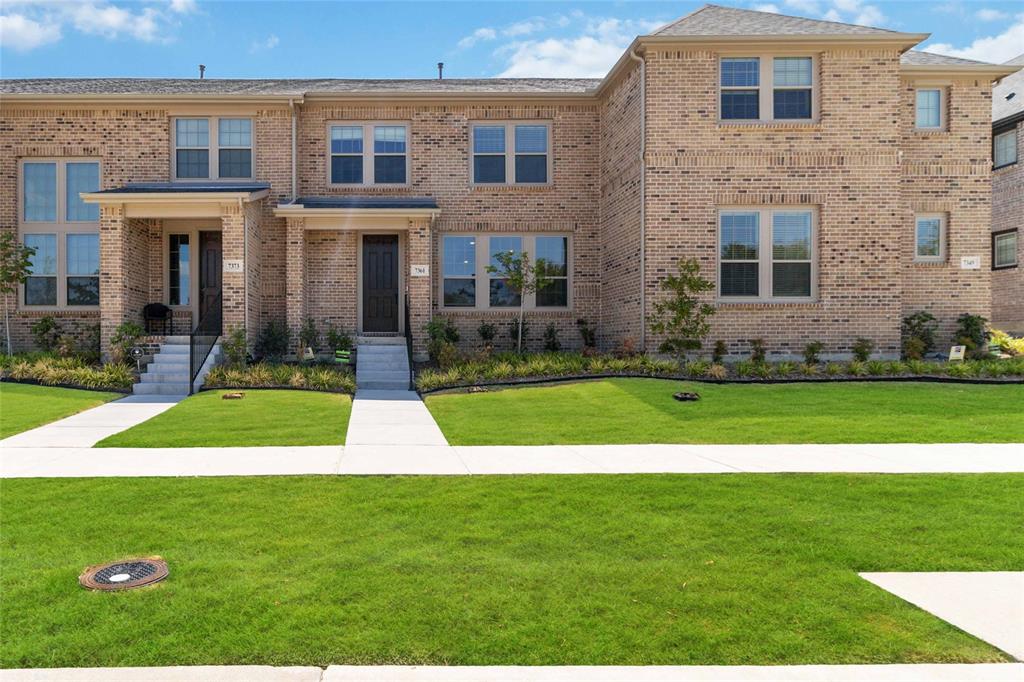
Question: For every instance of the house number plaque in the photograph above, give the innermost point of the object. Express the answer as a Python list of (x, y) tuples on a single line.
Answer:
[(234, 266), (420, 271)]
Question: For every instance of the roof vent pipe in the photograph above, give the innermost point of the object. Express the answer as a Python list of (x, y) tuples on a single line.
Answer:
[(440, 70), (202, 70)]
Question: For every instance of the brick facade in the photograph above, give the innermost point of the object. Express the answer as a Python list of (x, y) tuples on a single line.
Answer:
[(1008, 214)]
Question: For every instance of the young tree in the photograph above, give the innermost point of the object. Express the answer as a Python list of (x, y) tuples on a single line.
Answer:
[(682, 317), (15, 267), (522, 278)]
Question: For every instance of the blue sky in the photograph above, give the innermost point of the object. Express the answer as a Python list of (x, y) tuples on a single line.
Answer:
[(236, 39)]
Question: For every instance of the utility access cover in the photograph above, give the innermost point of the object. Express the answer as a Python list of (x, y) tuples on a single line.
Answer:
[(124, 575)]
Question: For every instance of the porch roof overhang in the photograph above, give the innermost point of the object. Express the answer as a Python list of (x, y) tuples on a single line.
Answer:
[(364, 206), (178, 193)]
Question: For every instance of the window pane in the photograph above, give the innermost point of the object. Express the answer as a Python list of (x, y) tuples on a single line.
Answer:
[(178, 270), (192, 132), (488, 169), (346, 140), (929, 234), (44, 261), (389, 169), (738, 279), (792, 103), (235, 163), (739, 236), (234, 132), (513, 245), (554, 250), (740, 104), (531, 139), (502, 296), (791, 279), (1005, 148), (741, 72), (459, 256), (83, 290), (347, 170), (489, 140), (791, 236), (555, 294), (82, 177), (792, 71), (83, 254), (41, 291), (389, 140), (929, 103), (1006, 250), (531, 169), (40, 192), (193, 163), (460, 293)]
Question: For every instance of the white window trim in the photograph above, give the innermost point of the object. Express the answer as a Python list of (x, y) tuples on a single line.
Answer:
[(1010, 134), (766, 89), (213, 129), (510, 153), (369, 154), (61, 228), (765, 256), (483, 278), (1005, 234), (943, 97), (941, 258)]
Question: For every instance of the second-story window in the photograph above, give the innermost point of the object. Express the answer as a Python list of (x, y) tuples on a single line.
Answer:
[(928, 113), (1004, 148), (510, 153), (741, 78), (766, 88), (212, 149), (368, 154)]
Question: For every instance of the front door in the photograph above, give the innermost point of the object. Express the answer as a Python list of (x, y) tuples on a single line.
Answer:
[(380, 283), (209, 271)]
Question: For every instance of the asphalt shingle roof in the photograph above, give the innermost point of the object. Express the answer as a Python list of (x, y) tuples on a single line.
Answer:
[(714, 20), (917, 57), (1008, 94)]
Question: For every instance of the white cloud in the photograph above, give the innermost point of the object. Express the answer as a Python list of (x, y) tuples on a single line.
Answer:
[(270, 43), (183, 6), (987, 14), (994, 49), (522, 28), (870, 15), (847, 11), (805, 6), (477, 36), (111, 21), (768, 7), (20, 33)]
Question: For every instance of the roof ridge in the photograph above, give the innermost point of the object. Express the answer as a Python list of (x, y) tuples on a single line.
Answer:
[(700, 9), (727, 8)]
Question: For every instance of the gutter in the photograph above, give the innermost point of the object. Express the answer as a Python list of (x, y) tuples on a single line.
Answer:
[(108, 197), (643, 196)]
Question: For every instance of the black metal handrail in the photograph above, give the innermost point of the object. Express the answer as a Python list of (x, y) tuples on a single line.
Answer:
[(203, 338), (408, 345)]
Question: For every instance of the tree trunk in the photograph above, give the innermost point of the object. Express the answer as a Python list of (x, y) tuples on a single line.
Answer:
[(7, 325), (519, 332)]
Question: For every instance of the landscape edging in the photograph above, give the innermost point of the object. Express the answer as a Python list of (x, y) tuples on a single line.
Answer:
[(36, 382)]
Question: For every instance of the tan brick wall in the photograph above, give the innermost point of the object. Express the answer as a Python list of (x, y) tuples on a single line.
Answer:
[(331, 271), (1008, 213)]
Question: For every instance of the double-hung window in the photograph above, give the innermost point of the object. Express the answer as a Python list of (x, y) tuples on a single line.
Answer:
[(1004, 148), (467, 283), (63, 231), (766, 88), (1004, 249), (510, 153), (930, 238), (212, 149), (368, 154), (767, 254), (928, 109)]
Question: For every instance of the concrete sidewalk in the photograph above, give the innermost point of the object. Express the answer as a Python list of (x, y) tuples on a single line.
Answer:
[(20, 462), (381, 417)]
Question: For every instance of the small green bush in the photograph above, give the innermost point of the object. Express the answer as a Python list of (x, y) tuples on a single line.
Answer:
[(235, 347), (45, 332), (718, 353), (763, 370), (833, 369), (875, 368), (338, 339), (812, 351), (744, 368), (918, 333), (551, 342), (758, 351), (856, 368), (279, 375), (784, 369), (808, 369), (862, 349), (125, 336), (309, 336), (487, 332), (273, 341), (68, 371), (971, 332), (587, 333)]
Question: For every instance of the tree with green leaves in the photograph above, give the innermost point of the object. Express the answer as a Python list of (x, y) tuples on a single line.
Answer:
[(522, 278), (15, 267), (681, 316)]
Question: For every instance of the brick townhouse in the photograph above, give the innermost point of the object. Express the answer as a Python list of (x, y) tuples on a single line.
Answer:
[(829, 179), (1008, 201)]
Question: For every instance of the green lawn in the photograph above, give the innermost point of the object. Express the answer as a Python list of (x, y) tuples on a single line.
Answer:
[(24, 406), (698, 569), (643, 411), (262, 417)]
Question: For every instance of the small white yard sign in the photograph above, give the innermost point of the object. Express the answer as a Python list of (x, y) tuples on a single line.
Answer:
[(957, 352)]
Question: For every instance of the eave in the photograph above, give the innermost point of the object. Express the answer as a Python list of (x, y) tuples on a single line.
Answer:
[(299, 211), (108, 197), (993, 71)]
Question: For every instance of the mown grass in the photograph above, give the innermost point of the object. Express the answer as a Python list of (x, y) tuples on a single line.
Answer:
[(24, 406), (262, 417), (535, 570), (643, 411)]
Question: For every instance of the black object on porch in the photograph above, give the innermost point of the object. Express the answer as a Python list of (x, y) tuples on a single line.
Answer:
[(154, 313)]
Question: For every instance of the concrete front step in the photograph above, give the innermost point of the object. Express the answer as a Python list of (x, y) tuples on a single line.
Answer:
[(165, 378), (174, 349), (385, 385), (176, 340), (175, 388), (381, 375), (380, 341)]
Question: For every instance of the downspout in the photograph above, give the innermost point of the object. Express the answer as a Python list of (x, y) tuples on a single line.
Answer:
[(295, 194), (245, 270), (643, 197)]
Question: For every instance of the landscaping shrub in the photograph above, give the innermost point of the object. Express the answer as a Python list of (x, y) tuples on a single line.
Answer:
[(763, 370), (697, 368), (125, 336), (587, 333), (441, 339), (681, 317), (862, 349), (811, 352), (716, 371), (67, 371), (273, 341), (487, 332), (971, 332), (1007, 343), (758, 351), (745, 368), (833, 369), (45, 332), (875, 367), (280, 375), (309, 337), (808, 369), (918, 334), (856, 368), (513, 332), (719, 352), (784, 369), (235, 347), (551, 342), (338, 339)]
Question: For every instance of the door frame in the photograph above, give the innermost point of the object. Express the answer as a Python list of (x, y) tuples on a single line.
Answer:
[(401, 278), (191, 227)]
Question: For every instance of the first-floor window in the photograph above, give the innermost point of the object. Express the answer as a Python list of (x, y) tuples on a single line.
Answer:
[(1004, 249), (466, 282), (178, 270), (83, 269), (41, 285), (929, 238), (766, 254)]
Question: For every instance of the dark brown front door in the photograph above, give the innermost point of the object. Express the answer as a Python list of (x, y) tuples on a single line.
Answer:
[(380, 283), (209, 271)]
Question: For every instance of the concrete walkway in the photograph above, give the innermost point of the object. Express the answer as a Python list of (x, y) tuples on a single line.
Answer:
[(987, 604), (987, 672), (87, 428), (383, 417), (19, 462)]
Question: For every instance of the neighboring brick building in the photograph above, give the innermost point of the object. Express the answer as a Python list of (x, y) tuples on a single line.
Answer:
[(1008, 202), (829, 180)]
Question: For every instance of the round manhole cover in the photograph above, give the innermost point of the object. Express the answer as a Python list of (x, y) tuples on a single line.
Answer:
[(124, 575)]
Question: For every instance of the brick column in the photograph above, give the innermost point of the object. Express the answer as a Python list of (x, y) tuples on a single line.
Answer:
[(232, 219), (112, 273), (295, 274), (418, 289)]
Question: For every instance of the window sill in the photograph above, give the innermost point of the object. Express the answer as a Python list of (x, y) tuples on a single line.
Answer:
[(996, 268), (505, 312), (930, 263), (1005, 165), (751, 304), (741, 124), (523, 187), (55, 311), (930, 132), (369, 188)]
